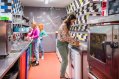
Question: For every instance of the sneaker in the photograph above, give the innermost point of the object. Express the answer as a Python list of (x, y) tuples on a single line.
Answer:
[(42, 57), (33, 62), (36, 64)]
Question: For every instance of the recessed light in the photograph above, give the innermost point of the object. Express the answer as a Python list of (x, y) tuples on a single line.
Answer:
[(46, 1)]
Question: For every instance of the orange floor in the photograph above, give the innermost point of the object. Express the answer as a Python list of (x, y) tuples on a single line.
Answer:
[(49, 68)]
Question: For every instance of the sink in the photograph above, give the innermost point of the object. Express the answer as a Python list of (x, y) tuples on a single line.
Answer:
[(19, 46), (15, 51), (16, 48)]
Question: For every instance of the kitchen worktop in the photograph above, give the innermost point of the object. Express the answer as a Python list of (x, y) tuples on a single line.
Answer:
[(9, 61), (82, 47)]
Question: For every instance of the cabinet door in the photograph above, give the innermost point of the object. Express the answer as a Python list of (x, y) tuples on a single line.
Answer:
[(76, 63), (77, 67), (85, 66), (30, 49), (27, 61), (23, 66)]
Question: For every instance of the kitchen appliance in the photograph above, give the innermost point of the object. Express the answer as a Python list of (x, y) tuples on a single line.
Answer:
[(5, 36), (103, 52)]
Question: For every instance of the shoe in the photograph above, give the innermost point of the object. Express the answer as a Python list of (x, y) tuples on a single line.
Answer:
[(36, 64), (42, 57), (33, 62)]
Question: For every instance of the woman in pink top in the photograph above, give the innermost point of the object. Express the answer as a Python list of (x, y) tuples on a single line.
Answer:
[(35, 36)]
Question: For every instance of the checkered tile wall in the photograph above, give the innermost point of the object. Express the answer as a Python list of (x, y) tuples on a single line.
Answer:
[(5, 6), (79, 36), (79, 28), (8, 6), (17, 7), (83, 10)]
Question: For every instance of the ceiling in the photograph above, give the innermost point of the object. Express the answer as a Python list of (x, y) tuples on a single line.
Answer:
[(41, 3)]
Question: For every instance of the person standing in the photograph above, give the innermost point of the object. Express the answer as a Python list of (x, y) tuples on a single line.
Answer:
[(64, 39), (41, 35), (35, 36)]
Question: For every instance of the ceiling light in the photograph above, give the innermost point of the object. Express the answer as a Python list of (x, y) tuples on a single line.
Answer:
[(46, 1)]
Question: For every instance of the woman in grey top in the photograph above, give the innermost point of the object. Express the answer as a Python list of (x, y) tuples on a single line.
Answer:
[(62, 44)]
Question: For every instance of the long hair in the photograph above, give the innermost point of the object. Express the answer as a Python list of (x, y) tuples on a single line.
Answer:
[(34, 25), (68, 20), (41, 26)]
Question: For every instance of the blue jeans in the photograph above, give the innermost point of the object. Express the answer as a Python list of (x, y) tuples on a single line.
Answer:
[(36, 51), (41, 47)]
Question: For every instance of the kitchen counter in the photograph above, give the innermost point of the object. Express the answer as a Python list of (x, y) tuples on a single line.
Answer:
[(9, 61), (82, 47)]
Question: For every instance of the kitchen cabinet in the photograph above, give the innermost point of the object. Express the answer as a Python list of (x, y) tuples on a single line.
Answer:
[(23, 66), (76, 64), (27, 61), (31, 51), (85, 65), (16, 64)]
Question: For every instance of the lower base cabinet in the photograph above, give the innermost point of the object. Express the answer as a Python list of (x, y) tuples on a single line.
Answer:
[(27, 61), (76, 68), (22, 65), (78, 64)]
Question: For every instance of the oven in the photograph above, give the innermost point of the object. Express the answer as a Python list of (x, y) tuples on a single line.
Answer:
[(103, 52)]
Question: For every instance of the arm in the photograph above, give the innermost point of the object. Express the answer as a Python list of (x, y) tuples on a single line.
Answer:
[(44, 34), (64, 34), (30, 34)]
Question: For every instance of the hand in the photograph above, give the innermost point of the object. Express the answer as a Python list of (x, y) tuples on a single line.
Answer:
[(76, 43), (27, 38), (31, 37)]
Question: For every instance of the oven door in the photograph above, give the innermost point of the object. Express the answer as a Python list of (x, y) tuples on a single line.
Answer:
[(103, 40)]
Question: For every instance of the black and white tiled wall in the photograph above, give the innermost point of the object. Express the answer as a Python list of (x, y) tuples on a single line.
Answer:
[(79, 36), (79, 28), (5, 6), (83, 10), (11, 6), (17, 7)]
